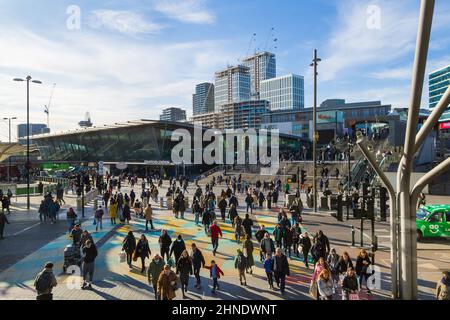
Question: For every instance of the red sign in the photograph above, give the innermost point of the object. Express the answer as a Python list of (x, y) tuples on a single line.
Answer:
[(444, 125)]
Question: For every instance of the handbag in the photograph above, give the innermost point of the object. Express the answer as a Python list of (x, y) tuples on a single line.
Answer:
[(313, 289), (95, 221), (135, 256)]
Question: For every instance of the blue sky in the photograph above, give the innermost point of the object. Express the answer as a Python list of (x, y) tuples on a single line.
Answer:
[(130, 59)]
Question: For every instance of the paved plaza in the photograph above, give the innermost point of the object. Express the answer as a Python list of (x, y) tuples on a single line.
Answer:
[(113, 280)]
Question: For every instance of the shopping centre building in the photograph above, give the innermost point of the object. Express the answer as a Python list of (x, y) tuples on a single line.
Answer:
[(139, 144)]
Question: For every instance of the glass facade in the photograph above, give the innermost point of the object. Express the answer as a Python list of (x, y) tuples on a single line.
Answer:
[(284, 93), (173, 114), (135, 142), (231, 85), (439, 81), (203, 99), (262, 66)]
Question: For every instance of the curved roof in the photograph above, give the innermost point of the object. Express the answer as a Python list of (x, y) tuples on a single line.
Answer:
[(12, 149)]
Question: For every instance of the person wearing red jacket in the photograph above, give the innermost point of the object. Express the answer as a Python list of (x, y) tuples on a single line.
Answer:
[(214, 273), (215, 232)]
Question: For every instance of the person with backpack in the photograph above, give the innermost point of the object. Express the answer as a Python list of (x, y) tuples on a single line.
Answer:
[(129, 246), (164, 244), (214, 273), (44, 283), (184, 269), (89, 253), (155, 268), (167, 284), (240, 263), (198, 261)]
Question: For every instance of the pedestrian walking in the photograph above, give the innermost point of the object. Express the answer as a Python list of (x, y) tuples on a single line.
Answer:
[(248, 252), (268, 268), (280, 269), (148, 215), (443, 287), (99, 218), (112, 211), (89, 253), (177, 248), (164, 244), (240, 263), (214, 273), (198, 261), (44, 283), (142, 251), (247, 223), (349, 284), (215, 232), (155, 268), (325, 285), (184, 269), (3, 221), (129, 246), (362, 264), (167, 284)]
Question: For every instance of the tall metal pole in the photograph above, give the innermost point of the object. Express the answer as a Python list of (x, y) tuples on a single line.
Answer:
[(349, 182), (315, 136), (28, 142)]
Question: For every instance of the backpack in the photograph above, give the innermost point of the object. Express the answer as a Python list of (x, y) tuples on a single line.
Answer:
[(242, 262), (43, 282)]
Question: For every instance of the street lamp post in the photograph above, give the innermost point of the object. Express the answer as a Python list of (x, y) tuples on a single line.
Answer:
[(349, 180), (28, 79), (9, 138), (314, 64)]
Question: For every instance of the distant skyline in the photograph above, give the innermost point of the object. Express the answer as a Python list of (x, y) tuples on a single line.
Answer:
[(131, 59)]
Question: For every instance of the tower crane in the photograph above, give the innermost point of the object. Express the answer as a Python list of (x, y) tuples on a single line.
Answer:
[(47, 107)]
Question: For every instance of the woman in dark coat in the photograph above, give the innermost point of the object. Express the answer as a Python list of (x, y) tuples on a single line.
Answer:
[(164, 243), (126, 212), (248, 251), (223, 207), (247, 223), (129, 246), (178, 246), (362, 263), (143, 251), (232, 214), (184, 269)]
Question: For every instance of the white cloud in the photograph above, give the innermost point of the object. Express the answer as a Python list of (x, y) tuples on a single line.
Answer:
[(189, 11), (127, 22), (353, 45), (116, 80), (393, 73)]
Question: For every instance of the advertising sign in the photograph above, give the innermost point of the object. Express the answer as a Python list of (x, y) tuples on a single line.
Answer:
[(330, 117)]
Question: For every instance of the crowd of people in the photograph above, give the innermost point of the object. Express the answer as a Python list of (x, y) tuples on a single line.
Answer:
[(169, 270)]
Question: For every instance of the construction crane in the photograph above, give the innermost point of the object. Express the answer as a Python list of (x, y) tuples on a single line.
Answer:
[(47, 107)]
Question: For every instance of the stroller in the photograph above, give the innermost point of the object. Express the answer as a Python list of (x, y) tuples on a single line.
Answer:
[(72, 256)]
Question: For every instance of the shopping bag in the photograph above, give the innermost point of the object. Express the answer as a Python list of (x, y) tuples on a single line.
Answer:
[(122, 257), (353, 296), (313, 289), (95, 222)]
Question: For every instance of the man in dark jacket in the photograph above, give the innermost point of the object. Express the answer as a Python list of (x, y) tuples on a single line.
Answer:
[(247, 224), (280, 269), (89, 255), (45, 282), (178, 246), (3, 222), (324, 243), (198, 262), (164, 243), (305, 242), (267, 246)]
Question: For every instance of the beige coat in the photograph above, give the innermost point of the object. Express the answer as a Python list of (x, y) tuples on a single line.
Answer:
[(148, 213), (165, 288)]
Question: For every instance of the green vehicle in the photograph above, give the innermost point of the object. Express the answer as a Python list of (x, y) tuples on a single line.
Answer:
[(433, 222)]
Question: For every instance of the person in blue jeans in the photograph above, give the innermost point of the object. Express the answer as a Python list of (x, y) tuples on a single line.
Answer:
[(214, 273), (268, 268)]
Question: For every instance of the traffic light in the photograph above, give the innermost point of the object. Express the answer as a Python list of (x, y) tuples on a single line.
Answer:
[(303, 176)]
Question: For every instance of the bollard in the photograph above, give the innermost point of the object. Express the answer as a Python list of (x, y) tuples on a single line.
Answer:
[(161, 202), (353, 236)]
